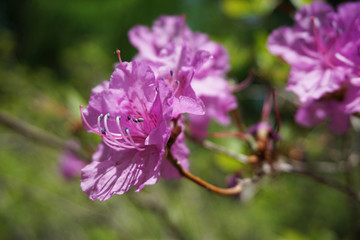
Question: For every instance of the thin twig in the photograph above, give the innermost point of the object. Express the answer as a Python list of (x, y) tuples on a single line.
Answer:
[(220, 149), (39, 134), (244, 84), (183, 172), (276, 109), (222, 191), (236, 117), (288, 168)]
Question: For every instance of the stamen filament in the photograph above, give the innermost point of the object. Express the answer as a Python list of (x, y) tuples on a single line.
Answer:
[(315, 22), (132, 140), (100, 117), (107, 128), (87, 124), (344, 59), (118, 53), (121, 131)]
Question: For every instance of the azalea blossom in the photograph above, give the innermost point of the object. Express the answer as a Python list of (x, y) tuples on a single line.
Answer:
[(171, 48), (132, 114), (70, 164), (323, 49)]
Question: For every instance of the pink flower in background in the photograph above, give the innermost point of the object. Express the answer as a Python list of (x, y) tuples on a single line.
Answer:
[(71, 165), (315, 112), (323, 49), (132, 113), (171, 48), (164, 48), (337, 111)]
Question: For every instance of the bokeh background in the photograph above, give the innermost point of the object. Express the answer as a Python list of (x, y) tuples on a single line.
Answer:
[(51, 55)]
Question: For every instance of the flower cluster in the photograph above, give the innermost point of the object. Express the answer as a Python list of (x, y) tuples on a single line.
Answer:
[(176, 72), (323, 49), (173, 49)]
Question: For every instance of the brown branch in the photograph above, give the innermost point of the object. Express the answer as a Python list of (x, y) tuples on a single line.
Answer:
[(39, 134), (289, 168), (276, 109), (236, 118), (183, 172), (244, 84), (222, 191), (329, 182)]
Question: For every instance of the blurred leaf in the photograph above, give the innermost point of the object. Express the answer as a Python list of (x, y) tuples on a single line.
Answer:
[(301, 3), (293, 235), (270, 66), (226, 163), (245, 8)]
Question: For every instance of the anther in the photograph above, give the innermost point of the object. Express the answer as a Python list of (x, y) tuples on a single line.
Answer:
[(103, 131), (140, 119), (107, 116), (177, 81), (171, 73), (163, 78), (157, 89), (135, 120), (121, 132), (127, 131), (128, 117), (100, 117)]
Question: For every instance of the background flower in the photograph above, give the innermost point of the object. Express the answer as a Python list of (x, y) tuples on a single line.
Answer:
[(170, 46), (321, 49)]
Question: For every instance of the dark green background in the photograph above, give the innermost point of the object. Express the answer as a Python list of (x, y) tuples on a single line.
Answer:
[(51, 55)]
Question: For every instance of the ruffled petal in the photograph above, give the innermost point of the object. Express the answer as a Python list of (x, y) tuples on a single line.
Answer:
[(118, 171)]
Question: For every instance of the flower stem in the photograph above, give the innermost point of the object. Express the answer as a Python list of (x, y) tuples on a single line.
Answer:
[(185, 173), (222, 191), (38, 134)]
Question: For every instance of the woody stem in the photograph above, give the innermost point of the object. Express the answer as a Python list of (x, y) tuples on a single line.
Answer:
[(222, 191), (183, 172), (38, 134)]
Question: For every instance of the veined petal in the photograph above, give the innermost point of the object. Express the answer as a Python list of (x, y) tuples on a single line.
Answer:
[(119, 171)]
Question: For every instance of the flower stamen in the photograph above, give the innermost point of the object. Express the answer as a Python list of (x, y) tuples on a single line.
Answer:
[(315, 24), (100, 117), (119, 57), (344, 59), (127, 131), (87, 124)]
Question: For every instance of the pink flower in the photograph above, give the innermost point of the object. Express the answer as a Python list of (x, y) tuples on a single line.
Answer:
[(164, 49), (71, 165), (337, 111), (132, 113), (171, 47), (323, 49)]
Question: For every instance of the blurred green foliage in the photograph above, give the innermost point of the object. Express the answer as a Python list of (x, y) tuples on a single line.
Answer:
[(53, 52)]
